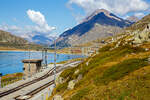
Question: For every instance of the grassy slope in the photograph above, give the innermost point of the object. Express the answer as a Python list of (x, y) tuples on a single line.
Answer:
[(141, 24), (119, 74), (11, 78), (114, 74)]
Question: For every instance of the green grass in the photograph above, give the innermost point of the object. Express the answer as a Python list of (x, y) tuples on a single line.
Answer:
[(61, 87), (123, 95), (106, 56), (105, 48), (96, 74), (98, 60), (67, 73), (120, 70), (11, 78), (80, 94)]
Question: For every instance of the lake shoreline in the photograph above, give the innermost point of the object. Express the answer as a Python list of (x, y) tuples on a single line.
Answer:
[(12, 60), (58, 52), (49, 51)]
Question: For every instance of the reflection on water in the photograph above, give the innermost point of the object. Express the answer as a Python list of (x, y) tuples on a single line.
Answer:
[(10, 61)]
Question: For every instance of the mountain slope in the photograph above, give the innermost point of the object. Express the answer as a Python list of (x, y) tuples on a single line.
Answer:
[(6, 37), (120, 71), (43, 40), (12, 42), (39, 38), (100, 17), (141, 24), (132, 19)]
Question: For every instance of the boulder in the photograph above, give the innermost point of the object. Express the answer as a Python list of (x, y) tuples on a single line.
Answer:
[(146, 49), (142, 36), (71, 84), (77, 71), (87, 63), (117, 45), (58, 97), (148, 27), (60, 80), (148, 60), (79, 77)]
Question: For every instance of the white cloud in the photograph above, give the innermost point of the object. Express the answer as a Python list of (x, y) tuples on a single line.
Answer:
[(139, 15), (36, 17), (120, 7), (28, 31), (12, 28), (39, 19), (41, 26), (125, 17), (78, 17)]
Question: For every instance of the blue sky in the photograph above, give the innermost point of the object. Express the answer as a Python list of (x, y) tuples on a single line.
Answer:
[(13, 12), (61, 14)]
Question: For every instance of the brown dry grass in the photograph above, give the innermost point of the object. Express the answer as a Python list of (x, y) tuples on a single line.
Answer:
[(128, 87)]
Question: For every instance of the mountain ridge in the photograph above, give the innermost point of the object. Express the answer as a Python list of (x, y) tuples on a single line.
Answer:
[(9, 38), (101, 17), (12, 42), (132, 19)]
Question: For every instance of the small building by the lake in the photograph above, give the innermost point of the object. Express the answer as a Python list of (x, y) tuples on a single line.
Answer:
[(31, 67)]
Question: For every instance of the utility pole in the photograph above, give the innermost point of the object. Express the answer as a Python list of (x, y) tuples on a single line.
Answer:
[(42, 56), (46, 57), (29, 61), (82, 48), (55, 64), (115, 32), (0, 80)]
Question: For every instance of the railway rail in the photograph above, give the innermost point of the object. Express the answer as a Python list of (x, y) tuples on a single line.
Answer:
[(26, 84), (49, 73), (32, 93)]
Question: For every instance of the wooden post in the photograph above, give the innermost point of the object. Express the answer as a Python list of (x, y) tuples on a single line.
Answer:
[(0, 79)]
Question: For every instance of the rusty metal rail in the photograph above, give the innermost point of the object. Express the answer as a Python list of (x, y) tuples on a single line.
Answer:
[(32, 93), (26, 84), (40, 88)]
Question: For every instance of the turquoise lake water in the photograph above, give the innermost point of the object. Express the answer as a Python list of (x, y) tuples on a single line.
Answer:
[(11, 61)]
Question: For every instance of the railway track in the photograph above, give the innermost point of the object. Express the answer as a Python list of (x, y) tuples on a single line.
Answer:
[(26, 84), (50, 73), (32, 93), (40, 88)]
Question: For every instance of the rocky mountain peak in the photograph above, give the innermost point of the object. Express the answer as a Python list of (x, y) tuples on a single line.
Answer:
[(132, 19), (99, 24), (104, 11)]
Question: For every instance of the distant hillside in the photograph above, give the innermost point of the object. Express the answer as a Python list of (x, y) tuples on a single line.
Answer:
[(12, 42), (39, 38), (43, 40), (6, 37), (132, 19), (141, 24), (99, 24)]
